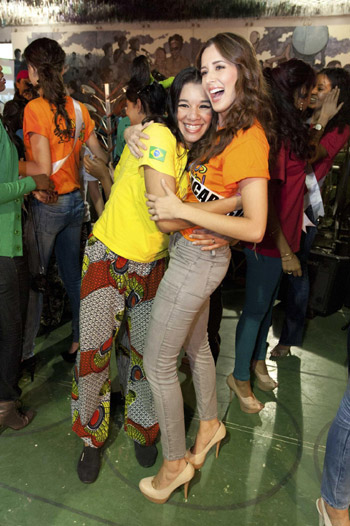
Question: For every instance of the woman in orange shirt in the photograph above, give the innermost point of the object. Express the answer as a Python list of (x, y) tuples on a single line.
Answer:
[(233, 159), (55, 128)]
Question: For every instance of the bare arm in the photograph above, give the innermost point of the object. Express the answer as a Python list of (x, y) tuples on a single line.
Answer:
[(96, 197), (95, 147), (41, 163), (290, 262), (329, 109), (251, 227), (132, 136), (98, 168), (153, 181)]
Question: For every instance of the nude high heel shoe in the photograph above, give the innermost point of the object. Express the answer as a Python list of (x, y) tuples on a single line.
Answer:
[(265, 382), (248, 404), (324, 519), (198, 460), (160, 496)]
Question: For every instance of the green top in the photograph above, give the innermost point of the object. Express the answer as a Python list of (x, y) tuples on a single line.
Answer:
[(120, 143), (12, 191)]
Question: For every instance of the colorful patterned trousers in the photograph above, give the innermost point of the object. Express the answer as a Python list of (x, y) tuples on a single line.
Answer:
[(116, 301)]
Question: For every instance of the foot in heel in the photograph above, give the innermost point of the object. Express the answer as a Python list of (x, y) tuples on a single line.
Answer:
[(89, 464), (248, 404), (197, 459), (265, 382), (145, 455), (161, 495)]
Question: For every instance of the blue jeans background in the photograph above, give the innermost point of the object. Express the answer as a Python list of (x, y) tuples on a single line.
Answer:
[(297, 294), (335, 489), (262, 283), (57, 226)]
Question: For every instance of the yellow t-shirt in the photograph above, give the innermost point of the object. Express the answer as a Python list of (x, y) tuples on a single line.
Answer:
[(125, 226)]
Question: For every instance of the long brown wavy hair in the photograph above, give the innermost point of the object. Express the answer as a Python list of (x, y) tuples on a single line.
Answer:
[(47, 56), (252, 101)]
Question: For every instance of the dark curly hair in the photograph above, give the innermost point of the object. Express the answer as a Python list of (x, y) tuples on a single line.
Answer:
[(47, 56), (252, 100), (341, 78), (291, 79), (152, 97)]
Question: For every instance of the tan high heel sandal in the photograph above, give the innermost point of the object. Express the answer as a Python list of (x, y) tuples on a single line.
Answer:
[(248, 404), (160, 496), (197, 460), (265, 382)]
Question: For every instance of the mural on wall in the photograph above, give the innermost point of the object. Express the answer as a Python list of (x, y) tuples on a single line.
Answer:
[(313, 44), (105, 56)]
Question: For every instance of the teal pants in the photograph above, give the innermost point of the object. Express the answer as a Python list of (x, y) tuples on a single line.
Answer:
[(262, 282)]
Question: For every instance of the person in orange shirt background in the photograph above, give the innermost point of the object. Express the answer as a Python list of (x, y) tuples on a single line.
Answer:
[(55, 128)]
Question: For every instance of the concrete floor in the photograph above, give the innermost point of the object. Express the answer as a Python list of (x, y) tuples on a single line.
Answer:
[(269, 467)]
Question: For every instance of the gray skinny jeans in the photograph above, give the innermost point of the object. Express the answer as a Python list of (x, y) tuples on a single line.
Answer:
[(179, 318)]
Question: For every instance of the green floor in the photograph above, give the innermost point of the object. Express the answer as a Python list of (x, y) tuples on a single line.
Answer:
[(267, 473)]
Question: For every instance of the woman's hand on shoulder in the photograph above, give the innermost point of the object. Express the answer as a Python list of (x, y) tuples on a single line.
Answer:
[(133, 135)]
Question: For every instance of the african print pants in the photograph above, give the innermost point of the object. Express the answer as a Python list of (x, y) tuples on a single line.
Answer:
[(116, 301)]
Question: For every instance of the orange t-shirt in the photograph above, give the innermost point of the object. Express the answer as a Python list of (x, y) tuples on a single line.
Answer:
[(39, 118), (246, 156)]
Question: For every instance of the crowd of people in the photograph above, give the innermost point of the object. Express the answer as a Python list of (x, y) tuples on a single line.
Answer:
[(221, 137)]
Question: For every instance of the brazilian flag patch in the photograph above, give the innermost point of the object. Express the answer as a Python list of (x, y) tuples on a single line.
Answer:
[(157, 153)]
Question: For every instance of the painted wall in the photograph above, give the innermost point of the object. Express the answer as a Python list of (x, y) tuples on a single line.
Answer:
[(317, 40), (303, 34)]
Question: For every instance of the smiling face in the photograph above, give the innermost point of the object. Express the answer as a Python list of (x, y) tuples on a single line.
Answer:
[(194, 113), (2, 81), (219, 77), (323, 86)]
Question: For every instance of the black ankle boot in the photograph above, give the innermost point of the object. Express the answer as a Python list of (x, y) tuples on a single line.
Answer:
[(89, 464), (145, 455), (11, 416)]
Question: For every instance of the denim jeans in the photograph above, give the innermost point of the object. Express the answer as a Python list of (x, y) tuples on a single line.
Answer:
[(335, 489), (14, 285), (180, 317), (297, 296), (262, 283), (56, 226)]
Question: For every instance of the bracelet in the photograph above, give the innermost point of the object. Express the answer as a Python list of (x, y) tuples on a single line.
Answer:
[(287, 257), (286, 254)]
